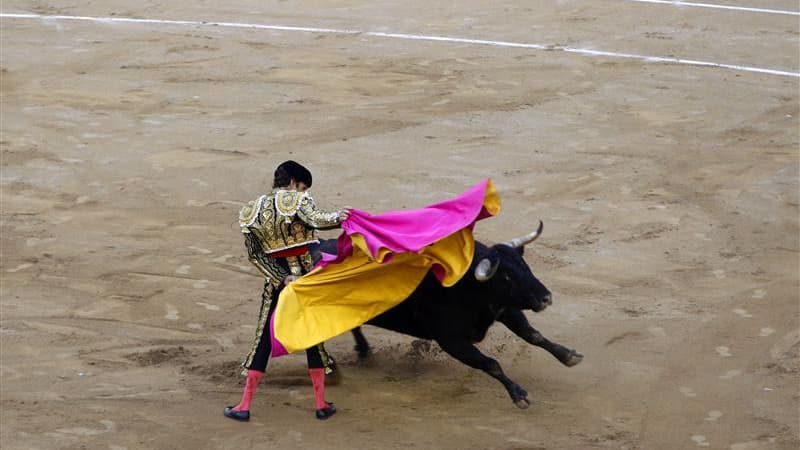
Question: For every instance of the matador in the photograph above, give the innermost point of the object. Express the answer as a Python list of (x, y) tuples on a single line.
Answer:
[(280, 232)]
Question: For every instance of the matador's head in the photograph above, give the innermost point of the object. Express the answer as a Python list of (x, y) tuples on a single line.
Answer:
[(291, 170)]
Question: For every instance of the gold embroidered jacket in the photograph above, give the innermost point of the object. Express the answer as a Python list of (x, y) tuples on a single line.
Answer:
[(278, 221)]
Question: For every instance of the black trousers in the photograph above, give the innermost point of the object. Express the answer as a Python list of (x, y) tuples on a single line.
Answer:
[(263, 349)]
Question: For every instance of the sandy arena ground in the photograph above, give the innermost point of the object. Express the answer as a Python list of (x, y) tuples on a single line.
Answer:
[(669, 194)]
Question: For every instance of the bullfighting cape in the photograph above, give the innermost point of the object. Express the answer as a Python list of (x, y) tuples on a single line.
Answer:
[(381, 259)]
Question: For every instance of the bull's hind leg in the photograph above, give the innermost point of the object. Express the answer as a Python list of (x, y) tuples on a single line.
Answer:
[(471, 356), (362, 346), (516, 321)]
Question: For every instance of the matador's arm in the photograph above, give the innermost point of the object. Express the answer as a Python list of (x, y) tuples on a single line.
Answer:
[(317, 218)]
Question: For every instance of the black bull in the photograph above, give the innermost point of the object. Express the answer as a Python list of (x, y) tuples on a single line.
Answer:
[(498, 287)]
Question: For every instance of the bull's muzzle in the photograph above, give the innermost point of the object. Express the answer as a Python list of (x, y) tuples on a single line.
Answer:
[(543, 303)]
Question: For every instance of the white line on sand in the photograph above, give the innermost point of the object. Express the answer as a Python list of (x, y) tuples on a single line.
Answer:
[(728, 7), (417, 37)]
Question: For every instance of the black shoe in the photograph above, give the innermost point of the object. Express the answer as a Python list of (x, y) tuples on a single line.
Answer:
[(325, 413), (241, 416)]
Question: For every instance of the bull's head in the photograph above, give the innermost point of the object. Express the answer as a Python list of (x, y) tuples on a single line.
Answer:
[(509, 275)]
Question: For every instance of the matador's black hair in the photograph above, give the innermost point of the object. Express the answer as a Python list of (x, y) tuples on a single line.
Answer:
[(288, 171)]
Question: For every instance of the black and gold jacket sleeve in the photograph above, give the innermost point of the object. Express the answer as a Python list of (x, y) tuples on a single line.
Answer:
[(316, 218)]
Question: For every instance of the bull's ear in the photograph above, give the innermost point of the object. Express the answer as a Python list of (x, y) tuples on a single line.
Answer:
[(520, 250), (486, 269)]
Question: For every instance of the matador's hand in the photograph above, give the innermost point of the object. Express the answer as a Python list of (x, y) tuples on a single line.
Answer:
[(344, 214), (289, 279)]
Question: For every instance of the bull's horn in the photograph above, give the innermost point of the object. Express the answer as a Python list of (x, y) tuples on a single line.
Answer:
[(485, 269), (527, 239)]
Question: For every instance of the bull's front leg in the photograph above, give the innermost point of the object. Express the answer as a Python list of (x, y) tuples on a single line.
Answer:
[(471, 356), (516, 321)]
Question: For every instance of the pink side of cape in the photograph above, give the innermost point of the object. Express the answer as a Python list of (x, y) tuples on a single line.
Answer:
[(411, 231), (404, 231), (277, 348)]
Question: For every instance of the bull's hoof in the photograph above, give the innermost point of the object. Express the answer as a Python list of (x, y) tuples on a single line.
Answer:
[(363, 352), (519, 396), (573, 358)]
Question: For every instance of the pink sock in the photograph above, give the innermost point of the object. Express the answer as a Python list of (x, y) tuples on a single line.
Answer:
[(318, 380), (253, 379)]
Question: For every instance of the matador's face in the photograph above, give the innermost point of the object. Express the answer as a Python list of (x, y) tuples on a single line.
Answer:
[(298, 186)]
